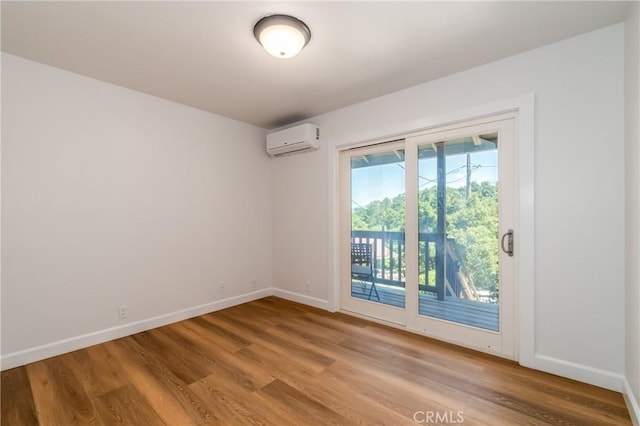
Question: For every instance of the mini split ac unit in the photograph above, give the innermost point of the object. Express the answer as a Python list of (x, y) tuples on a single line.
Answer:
[(302, 138)]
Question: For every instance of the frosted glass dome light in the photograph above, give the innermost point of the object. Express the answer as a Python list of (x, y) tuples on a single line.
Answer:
[(283, 36)]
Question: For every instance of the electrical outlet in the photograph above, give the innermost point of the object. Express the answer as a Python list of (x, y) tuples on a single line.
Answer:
[(123, 312), (254, 284), (221, 284), (307, 286)]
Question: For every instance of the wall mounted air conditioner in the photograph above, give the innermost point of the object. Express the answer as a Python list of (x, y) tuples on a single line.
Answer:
[(302, 138)]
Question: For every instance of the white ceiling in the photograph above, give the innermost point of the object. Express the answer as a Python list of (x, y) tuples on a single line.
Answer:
[(203, 54)]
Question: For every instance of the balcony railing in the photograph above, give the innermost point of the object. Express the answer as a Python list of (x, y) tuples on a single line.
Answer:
[(389, 257)]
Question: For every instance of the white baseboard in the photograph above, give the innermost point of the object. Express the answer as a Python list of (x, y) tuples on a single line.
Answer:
[(580, 372), (60, 347), (301, 298), (632, 402)]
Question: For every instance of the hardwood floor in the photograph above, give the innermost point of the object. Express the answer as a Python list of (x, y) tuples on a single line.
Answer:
[(274, 362)]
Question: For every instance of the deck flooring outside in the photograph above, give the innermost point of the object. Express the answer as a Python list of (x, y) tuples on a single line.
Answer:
[(469, 312)]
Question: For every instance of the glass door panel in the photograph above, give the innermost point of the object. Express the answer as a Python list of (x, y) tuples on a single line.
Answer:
[(377, 189), (458, 231)]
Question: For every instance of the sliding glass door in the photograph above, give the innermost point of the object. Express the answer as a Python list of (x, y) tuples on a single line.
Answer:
[(421, 238), (375, 194)]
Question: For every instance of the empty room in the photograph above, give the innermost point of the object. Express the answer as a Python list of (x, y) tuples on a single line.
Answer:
[(309, 213)]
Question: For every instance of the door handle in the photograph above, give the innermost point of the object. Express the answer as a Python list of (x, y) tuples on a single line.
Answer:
[(509, 236)]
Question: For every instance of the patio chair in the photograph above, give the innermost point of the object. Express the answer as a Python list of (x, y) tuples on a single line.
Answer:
[(362, 266)]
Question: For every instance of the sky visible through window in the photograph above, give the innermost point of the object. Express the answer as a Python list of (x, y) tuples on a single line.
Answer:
[(387, 181)]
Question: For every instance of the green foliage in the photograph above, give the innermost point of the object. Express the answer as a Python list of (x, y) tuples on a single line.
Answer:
[(472, 223), (380, 215)]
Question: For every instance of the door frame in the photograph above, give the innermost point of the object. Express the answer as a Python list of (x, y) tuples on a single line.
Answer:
[(524, 109), (380, 311), (497, 343)]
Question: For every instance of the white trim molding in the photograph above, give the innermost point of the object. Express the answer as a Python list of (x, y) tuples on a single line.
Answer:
[(631, 401), (580, 372), (302, 298), (19, 358)]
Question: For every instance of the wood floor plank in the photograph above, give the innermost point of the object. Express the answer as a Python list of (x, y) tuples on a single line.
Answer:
[(96, 370), (339, 321), (223, 322), (54, 380), (208, 331), (293, 308), (357, 407), (262, 336), (48, 407), (126, 406), (301, 408), (413, 378), (231, 406), (396, 395), (138, 376), (419, 368), (273, 362), (564, 388), (18, 407), (245, 320), (220, 363), (381, 356), (237, 406), (561, 400), (469, 385), (167, 394), (304, 325), (425, 349), (175, 357), (486, 412)]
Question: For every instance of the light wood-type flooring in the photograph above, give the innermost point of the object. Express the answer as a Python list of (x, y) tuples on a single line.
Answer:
[(274, 362)]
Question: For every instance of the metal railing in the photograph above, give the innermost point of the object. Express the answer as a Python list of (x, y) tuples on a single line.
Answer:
[(389, 257)]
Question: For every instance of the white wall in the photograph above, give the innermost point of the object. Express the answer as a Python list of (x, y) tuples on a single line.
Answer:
[(300, 233), (632, 231), (579, 190), (112, 197)]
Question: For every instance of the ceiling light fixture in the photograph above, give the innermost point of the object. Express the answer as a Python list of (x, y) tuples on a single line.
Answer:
[(283, 36)]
